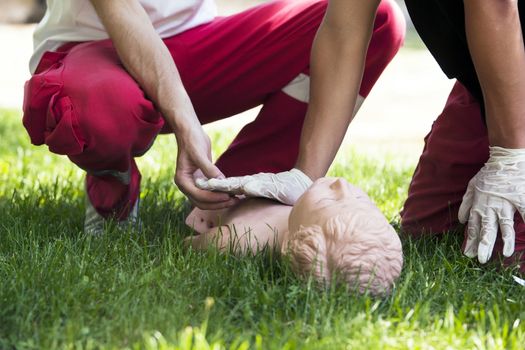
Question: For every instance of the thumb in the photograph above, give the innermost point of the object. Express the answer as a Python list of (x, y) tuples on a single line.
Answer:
[(210, 170), (466, 204)]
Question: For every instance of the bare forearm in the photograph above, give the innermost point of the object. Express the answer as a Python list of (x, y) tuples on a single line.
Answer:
[(496, 45), (147, 59), (337, 62)]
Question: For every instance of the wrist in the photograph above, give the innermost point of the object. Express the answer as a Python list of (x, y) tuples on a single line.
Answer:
[(311, 174), (179, 113), (182, 123), (505, 124), (309, 168), (511, 140), (500, 156), (497, 151)]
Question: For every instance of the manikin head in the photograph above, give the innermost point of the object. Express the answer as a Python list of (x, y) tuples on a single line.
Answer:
[(334, 228)]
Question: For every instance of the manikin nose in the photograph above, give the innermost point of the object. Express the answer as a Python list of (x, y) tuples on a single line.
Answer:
[(340, 187)]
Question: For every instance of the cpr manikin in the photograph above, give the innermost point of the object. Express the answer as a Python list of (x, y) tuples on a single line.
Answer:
[(334, 229)]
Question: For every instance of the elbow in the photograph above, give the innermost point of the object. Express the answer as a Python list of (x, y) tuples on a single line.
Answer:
[(504, 8), (501, 9)]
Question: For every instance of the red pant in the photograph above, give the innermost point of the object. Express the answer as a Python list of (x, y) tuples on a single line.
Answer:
[(83, 104), (455, 149)]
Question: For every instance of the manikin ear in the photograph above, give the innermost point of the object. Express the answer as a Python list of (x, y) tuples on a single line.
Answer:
[(306, 249)]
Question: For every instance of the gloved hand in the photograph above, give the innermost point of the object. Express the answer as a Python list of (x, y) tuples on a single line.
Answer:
[(493, 196), (285, 187)]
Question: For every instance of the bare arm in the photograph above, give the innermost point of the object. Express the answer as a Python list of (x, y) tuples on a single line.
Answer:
[(148, 60), (496, 44), (337, 63), (492, 198), (336, 70)]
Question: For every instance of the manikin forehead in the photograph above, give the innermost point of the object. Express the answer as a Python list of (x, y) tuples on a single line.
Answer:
[(336, 189), (329, 197)]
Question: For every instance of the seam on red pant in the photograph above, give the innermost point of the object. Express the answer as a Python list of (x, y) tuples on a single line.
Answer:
[(62, 134), (40, 89)]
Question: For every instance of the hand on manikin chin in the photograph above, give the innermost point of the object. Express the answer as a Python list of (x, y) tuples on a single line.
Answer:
[(285, 187)]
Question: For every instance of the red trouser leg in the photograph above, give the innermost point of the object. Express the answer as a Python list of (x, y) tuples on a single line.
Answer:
[(82, 102), (455, 149)]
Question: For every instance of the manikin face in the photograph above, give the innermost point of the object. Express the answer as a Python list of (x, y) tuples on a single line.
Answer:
[(335, 227), (329, 197)]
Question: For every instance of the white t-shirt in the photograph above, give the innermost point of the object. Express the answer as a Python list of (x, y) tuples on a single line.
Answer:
[(76, 20)]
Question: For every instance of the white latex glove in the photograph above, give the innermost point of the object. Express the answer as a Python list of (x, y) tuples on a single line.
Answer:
[(285, 187), (492, 198)]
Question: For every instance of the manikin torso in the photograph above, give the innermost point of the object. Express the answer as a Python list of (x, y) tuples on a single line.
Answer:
[(333, 228)]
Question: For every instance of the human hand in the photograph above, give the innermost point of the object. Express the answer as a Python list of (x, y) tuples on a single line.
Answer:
[(285, 187), (194, 161), (492, 198)]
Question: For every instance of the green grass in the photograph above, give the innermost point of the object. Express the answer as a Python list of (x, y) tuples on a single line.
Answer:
[(61, 289)]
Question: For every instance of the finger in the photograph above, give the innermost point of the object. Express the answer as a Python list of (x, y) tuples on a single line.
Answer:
[(506, 224), (203, 184), (199, 175), (261, 189), (210, 170), (488, 234), (466, 203), (187, 186), (257, 189), (473, 227), (231, 185)]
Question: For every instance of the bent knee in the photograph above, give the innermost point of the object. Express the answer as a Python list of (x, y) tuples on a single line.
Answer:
[(115, 116)]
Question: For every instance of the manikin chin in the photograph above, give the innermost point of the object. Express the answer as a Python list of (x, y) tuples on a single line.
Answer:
[(333, 233)]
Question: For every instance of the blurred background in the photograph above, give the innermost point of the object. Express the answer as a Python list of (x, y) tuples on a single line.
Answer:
[(393, 120)]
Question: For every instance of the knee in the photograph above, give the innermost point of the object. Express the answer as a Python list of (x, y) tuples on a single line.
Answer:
[(389, 26), (98, 108), (114, 116), (49, 113), (85, 105)]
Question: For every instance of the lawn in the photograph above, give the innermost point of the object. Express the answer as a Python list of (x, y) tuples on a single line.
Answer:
[(61, 289)]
